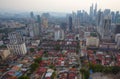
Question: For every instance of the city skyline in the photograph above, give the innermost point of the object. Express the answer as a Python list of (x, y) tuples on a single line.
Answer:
[(56, 5)]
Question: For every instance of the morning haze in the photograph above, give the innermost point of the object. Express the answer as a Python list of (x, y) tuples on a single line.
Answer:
[(56, 5)]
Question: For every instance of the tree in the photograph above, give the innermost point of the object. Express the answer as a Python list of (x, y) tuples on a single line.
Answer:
[(46, 53), (23, 77), (34, 66), (38, 60), (32, 50), (57, 47), (86, 74), (53, 75), (39, 49), (115, 69), (52, 66), (77, 50), (94, 52)]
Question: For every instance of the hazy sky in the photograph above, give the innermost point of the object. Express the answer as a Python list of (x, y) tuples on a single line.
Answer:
[(56, 5)]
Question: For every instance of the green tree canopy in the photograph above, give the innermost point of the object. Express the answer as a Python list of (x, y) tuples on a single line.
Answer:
[(57, 47), (34, 66), (32, 50), (52, 66), (38, 60), (23, 77)]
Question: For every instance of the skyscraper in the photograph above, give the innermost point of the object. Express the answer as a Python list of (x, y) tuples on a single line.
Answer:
[(38, 19), (31, 15), (70, 24), (106, 33), (39, 22), (95, 10), (34, 30), (91, 11), (113, 17), (117, 29), (117, 17), (78, 17)]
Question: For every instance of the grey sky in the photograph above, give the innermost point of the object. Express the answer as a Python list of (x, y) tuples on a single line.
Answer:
[(56, 5)]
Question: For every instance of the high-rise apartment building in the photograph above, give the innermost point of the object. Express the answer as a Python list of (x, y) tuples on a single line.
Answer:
[(15, 37), (58, 33), (17, 45)]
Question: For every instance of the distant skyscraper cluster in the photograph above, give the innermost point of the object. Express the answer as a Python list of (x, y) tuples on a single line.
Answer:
[(81, 18)]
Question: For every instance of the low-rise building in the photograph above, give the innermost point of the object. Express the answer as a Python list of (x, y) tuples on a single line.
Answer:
[(4, 54), (35, 42), (92, 41)]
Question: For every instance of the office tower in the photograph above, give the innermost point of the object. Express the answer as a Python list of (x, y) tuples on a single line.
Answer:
[(70, 24), (117, 16), (91, 10), (99, 17), (106, 33), (32, 15), (39, 22), (84, 17), (113, 17), (95, 10), (78, 17), (74, 20), (38, 19), (34, 30), (106, 11), (63, 25), (46, 15), (117, 29), (17, 45)]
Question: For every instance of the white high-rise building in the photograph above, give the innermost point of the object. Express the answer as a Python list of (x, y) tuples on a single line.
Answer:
[(58, 33), (106, 28), (17, 49), (17, 45)]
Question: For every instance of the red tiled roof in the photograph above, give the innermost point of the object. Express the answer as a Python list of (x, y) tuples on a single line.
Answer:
[(41, 70)]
